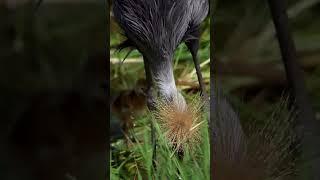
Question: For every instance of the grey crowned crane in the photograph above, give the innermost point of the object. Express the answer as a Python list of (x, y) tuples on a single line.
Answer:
[(156, 28)]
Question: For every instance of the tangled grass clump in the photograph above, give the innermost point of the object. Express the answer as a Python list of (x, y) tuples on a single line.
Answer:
[(181, 126)]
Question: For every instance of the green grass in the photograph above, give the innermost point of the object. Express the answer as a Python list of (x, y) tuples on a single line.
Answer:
[(136, 162)]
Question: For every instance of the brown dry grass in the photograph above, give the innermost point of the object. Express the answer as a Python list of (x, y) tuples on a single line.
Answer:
[(180, 125)]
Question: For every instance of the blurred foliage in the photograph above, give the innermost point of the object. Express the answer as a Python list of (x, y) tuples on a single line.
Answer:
[(248, 57), (46, 51), (52, 69)]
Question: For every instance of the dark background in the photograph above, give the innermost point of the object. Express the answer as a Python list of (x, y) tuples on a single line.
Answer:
[(248, 60), (249, 67), (53, 90)]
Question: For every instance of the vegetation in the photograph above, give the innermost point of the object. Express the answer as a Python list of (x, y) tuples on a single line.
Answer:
[(134, 160), (131, 157)]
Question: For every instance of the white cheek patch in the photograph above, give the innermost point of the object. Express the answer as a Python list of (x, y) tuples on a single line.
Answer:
[(165, 83), (167, 88)]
